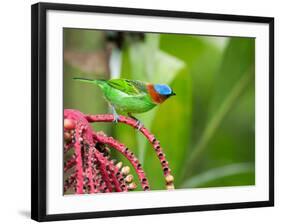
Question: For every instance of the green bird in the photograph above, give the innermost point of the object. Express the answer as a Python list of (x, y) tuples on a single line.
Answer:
[(131, 96)]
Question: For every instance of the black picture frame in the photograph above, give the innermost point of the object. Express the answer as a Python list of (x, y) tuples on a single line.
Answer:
[(38, 108)]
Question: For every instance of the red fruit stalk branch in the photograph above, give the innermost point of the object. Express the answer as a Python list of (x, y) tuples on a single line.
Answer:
[(89, 167)]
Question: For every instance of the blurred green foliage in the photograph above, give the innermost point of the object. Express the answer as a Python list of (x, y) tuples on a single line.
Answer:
[(207, 130)]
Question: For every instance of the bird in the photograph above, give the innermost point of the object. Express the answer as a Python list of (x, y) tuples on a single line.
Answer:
[(131, 96)]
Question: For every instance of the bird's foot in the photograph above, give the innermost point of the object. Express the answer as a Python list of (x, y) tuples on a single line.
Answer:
[(115, 115), (139, 125), (116, 118)]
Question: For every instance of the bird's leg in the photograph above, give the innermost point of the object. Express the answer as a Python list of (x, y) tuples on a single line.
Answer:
[(138, 124), (116, 116)]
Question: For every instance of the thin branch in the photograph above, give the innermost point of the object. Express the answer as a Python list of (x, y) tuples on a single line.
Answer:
[(128, 154), (150, 137)]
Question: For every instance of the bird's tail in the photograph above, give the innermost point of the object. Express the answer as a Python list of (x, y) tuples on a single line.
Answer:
[(95, 81)]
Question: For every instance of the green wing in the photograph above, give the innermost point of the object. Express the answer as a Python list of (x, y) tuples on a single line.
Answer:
[(130, 87)]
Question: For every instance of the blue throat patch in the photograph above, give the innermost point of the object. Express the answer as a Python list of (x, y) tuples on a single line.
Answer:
[(163, 89)]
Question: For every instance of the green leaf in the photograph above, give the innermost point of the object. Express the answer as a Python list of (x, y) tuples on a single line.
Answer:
[(234, 79), (208, 177), (202, 55), (238, 61)]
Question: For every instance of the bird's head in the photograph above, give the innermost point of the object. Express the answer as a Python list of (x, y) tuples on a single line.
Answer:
[(164, 90), (160, 92)]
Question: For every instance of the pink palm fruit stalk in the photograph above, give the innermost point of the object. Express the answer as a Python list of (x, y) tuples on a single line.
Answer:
[(88, 166)]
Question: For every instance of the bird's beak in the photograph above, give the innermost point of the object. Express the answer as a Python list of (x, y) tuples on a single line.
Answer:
[(173, 94)]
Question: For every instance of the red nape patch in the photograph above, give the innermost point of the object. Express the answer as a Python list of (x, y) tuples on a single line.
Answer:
[(156, 97)]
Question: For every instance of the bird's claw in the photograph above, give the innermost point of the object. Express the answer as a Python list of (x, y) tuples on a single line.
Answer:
[(116, 118), (115, 115), (139, 125)]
